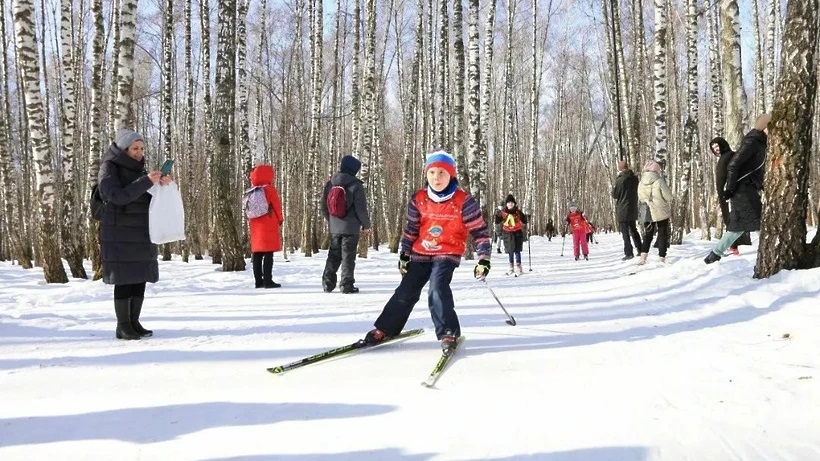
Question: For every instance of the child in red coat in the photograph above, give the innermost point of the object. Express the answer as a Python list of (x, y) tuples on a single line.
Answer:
[(577, 224), (264, 230)]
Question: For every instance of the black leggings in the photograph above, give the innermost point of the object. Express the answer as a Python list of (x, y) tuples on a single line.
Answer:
[(133, 290)]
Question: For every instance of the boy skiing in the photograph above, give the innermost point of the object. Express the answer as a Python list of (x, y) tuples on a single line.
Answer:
[(440, 216)]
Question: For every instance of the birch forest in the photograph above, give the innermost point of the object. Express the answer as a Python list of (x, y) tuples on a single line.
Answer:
[(535, 98)]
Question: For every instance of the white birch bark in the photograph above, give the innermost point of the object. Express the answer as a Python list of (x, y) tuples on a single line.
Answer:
[(125, 64), (659, 82), (734, 94), (28, 61), (476, 157)]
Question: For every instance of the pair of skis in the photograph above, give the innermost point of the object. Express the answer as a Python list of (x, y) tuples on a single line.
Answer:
[(360, 345)]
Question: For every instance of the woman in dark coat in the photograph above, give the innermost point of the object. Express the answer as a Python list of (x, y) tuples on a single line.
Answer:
[(721, 149), (744, 182), (513, 227), (129, 259)]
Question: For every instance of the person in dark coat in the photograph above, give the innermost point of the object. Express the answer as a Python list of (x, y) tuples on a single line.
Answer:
[(129, 259), (264, 230), (625, 193), (497, 232), (344, 232), (513, 229), (744, 183), (721, 149), (550, 230)]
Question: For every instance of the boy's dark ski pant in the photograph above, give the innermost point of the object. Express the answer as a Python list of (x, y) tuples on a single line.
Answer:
[(439, 297), (342, 253)]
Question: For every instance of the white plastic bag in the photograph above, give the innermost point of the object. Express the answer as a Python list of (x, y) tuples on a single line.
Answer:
[(166, 217)]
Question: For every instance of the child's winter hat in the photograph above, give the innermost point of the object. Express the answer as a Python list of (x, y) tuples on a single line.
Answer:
[(350, 165), (441, 159), (572, 205), (652, 165), (510, 198)]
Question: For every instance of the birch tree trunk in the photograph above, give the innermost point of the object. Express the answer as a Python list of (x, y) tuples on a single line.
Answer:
[(734, 94), (309, 217), (476, 157), (244, 139), (369, 125), (11, 218), (116, 7), (759, 100), (487, 94), (459, 152), (715, 71), (224, 154), (785, 193), (95, 149), (28, 61), (534, 96), (70, 230), (167, 88), (691, 135), (659, 82), (771, 18), (125, 64)]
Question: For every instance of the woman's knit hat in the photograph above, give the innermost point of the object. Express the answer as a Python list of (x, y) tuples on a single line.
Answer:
[(441, 159), (510, 198), (652, 165), (126, 137)]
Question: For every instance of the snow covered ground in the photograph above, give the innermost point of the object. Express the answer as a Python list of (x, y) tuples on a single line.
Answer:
[(681, 361)]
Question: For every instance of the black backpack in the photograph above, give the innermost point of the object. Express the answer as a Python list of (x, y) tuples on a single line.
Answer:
[(96, 204)]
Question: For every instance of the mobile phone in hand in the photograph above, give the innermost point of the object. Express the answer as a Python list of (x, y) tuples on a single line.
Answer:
[(166, 167)]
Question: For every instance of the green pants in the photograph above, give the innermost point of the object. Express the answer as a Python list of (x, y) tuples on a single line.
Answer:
[(726, 241)]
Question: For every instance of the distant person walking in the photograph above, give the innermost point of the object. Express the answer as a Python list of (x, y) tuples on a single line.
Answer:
[(625, 193), (344, 206)]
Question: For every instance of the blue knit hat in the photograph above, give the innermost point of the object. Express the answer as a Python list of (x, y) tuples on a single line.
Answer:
[(350, 165), (441, 159)]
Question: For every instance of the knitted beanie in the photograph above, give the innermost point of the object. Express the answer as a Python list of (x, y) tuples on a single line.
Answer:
[(441, 159), (126, 137), (350, 165)]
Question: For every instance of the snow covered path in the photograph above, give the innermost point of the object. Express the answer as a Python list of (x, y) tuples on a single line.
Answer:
[(680, 361)]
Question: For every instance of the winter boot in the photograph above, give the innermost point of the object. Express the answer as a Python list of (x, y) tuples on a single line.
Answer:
[(271, 284), (576, 258), (643, 259), (349, 289), (711, 258), (586, 257), (627, 257), (519, 269), (662, 259), (374, 336), (511, 270), (448, 343), (267, 273), (136, 309), (122, 308)]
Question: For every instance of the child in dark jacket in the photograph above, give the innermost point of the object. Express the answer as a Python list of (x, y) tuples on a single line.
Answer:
[(439, 218), (577, 224), (513, 226)]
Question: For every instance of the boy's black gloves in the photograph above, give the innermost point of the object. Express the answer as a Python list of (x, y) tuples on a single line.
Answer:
[(482, 269), (404, 260)]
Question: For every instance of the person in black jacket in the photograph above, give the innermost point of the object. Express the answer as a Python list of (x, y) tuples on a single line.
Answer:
[(721, 149), (345, 231), (744, 181), (129, 259), (625, 193)]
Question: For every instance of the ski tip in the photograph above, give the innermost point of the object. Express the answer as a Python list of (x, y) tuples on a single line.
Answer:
[(276, 370)]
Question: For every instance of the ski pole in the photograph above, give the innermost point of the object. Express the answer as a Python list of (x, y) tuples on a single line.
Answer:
[(510, 319), (529, 250), (563, 240)]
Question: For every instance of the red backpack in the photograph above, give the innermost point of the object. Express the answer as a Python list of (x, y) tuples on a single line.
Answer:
[(337, 201)]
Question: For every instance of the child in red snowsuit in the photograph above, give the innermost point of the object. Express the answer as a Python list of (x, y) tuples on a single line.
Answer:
[(577, 224)]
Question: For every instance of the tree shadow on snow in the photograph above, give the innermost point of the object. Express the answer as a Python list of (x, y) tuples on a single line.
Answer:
[(583, 454), (157, 424)]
